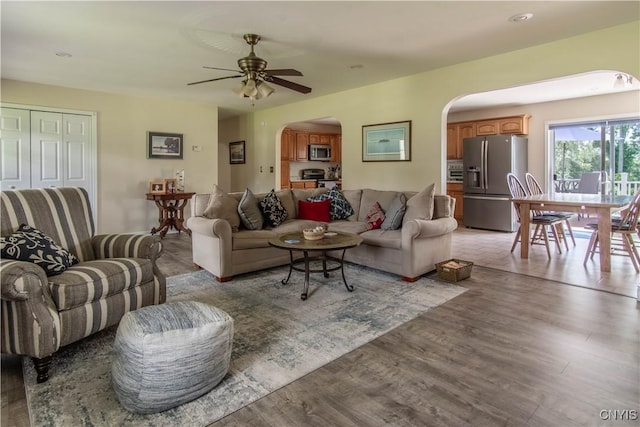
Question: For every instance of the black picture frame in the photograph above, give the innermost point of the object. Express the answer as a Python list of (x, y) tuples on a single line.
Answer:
[(163, 145), (236, 153)]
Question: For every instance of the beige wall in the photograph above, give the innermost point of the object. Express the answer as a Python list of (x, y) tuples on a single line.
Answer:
[(625, 104), (123, 168), (424, 99), (124, 171)]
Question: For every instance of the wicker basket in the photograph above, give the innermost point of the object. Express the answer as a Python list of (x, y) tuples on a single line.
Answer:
[(454, 270), (311, 234)]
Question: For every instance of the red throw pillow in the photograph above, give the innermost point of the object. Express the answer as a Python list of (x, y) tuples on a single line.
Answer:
[(316, 211), (375, 217)]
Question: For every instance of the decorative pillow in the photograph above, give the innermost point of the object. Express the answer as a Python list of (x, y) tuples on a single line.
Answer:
[(274, 212), (395, 213), (32, 245), (316, 211), (249, 211), (375, 217), (420, 205), (223, 206), (340, 207)]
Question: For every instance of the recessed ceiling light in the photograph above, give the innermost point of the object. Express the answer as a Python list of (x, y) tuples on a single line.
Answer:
[(63, 54), (521, 17)]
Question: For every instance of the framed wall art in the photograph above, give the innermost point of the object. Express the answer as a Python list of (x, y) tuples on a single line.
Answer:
[(386, 142), (236, 153), (163, 145), (156, 187)]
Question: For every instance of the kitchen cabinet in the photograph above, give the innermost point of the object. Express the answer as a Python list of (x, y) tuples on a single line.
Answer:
[(454, 189), (314, 138), (302, 146), (303, 184), (336, 148), (285, 172), (325, 138), (518, 125), (456, 133), (487, 127), (287, 145)]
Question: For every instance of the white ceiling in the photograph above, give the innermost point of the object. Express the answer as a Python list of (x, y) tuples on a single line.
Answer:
[(155, 48)]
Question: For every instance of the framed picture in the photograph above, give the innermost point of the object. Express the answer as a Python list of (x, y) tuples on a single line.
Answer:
[(156, 187), (170, 185), (386, 142), (162, 145), (236, 153)]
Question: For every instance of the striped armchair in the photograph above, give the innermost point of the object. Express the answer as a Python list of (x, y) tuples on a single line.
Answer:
[(116, 273)]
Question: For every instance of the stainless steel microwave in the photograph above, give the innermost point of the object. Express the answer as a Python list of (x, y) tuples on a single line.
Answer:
[(320, 152)]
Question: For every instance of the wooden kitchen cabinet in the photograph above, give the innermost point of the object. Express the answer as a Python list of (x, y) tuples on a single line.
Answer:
[(454, 189), (518, 125), (314, 138), (456, 133), (336, 148), (285, 172), (302, 146), (487, 127), (303, 184)]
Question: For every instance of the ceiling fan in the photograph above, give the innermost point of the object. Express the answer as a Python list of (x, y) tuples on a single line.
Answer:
[(255, 74)]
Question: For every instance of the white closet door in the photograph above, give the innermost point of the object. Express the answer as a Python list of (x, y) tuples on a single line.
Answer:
[(77, 151), (15, 156), (46, 150)]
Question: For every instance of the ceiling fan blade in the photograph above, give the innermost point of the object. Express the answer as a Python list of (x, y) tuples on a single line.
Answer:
[(289, 85), (213, 80), (223, 69), (283, 72)]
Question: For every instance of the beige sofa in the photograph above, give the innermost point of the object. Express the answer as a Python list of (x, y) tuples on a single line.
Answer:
[(410, 251)]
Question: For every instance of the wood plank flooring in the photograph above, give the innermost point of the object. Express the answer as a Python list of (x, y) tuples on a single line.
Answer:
[(512, 351)]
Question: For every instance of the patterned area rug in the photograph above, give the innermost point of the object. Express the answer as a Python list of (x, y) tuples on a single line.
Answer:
[(278, 339)]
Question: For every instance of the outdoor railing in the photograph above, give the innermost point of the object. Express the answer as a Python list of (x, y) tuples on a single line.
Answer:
[(621, 187)]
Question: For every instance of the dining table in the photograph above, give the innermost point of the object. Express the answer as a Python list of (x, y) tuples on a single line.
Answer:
[(600, 205)]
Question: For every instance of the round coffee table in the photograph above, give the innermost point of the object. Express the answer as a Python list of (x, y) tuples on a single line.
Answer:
[(330, 242)]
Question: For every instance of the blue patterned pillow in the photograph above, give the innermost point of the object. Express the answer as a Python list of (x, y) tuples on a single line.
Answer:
[(273, 210), (32, 245), (340, 207)]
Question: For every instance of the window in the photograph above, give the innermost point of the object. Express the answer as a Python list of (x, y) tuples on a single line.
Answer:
[(609, 149)]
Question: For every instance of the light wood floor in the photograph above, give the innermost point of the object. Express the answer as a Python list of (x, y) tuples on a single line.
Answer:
[(512, 351)]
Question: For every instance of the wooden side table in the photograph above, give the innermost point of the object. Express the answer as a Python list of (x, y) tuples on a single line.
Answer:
[(170, 211)]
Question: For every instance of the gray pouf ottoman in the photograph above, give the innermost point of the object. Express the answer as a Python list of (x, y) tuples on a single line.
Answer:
[(170, 354)]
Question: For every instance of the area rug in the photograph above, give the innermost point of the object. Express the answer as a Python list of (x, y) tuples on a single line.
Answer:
[(278, 339)]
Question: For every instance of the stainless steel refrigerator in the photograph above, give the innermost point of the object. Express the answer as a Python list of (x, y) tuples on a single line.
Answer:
[(486, 162)]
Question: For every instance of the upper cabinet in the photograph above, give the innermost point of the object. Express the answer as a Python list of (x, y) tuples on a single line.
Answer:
[(457, 132), (503, 125), (336, 148), (302, 146)]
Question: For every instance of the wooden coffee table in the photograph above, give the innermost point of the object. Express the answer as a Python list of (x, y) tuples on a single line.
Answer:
[(331, 241)]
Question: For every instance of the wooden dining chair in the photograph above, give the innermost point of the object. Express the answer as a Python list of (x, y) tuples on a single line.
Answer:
[(544, 223), (534, 187), (622, 232)]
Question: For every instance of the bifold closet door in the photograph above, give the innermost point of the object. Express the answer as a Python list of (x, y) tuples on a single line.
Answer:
[(15, 149), (60, 150)]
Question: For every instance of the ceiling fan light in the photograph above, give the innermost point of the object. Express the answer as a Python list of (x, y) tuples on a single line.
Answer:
[(264, 90), (250, 88), (239, 89)]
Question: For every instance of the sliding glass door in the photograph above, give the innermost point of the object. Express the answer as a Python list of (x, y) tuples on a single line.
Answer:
[(596, 157)]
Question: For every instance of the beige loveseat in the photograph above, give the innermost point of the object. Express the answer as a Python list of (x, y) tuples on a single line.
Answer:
[(410, 251)]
